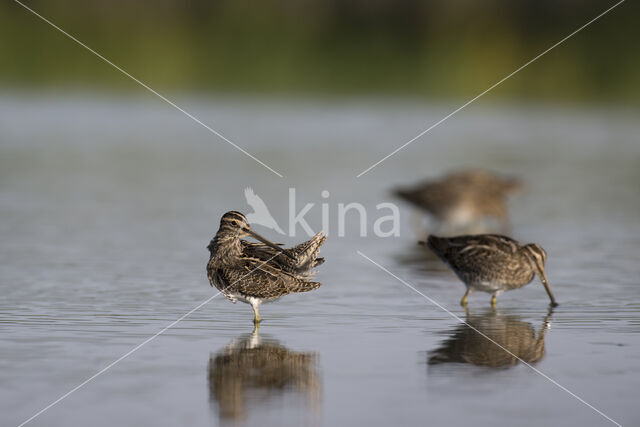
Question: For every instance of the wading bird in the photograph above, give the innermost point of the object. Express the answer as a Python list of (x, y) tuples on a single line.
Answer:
[(259, 272), (491, 263)]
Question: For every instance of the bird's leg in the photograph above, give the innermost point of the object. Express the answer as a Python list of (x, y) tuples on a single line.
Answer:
[(493, 300), (256, 318), (256, 329), (463, 301)]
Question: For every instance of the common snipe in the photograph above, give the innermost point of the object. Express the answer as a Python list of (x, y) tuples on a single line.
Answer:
[(259, 272), (491, 263), (462, 200)]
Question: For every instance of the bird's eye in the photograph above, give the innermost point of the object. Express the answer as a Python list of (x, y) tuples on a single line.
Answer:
[(234, 222)]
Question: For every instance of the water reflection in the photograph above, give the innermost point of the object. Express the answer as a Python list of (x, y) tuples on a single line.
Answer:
[(254, 373), (466, 345)]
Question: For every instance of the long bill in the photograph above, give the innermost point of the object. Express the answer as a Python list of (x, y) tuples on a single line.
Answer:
[(267, 242), (545, 283)]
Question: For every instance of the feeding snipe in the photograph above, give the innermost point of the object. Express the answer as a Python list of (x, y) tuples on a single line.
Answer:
[(259, 272), (464, 199), (491, 263)]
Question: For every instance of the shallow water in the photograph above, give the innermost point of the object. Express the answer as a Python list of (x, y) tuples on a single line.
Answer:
[(107, 205)]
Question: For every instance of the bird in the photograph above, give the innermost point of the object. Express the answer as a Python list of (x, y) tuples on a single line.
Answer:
[(491, 263), (255, 273), (253, 366), (463, 200), (494, 340), (260, 214)]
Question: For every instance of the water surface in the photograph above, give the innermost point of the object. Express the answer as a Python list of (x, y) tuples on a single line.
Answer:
[(107, 205)]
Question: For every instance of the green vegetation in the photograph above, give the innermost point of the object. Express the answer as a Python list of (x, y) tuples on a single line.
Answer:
[(406, 47)]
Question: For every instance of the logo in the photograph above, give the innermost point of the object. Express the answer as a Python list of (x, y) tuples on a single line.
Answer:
[(260, 215), (384, 225)]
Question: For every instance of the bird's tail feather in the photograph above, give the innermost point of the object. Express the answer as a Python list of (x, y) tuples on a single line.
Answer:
[(436, 244), (303, 286)]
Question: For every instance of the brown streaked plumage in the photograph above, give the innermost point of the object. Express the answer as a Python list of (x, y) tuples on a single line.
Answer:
[(255, 367), (463, 199), (510, 332), (259, 272), (491, 263)]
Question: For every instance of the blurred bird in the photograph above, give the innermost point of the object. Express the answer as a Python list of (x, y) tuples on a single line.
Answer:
[(491, 263), (259, 272), (462, 200), (260, 214)]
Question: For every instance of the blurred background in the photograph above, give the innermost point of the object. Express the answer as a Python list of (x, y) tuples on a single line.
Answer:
[(421, 49), (109, 197)]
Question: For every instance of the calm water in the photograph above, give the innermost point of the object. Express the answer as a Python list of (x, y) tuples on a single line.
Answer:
[(107, 206)]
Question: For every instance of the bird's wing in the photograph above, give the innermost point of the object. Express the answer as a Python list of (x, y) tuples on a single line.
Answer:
[(496, 242), (259, 279), (258, 250), (501, 243), (459, 250)]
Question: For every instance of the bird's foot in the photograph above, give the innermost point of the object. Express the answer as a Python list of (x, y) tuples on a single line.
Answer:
[(463, 301)]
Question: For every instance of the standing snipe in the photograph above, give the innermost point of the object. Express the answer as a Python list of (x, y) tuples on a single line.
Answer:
[(259, 272), (462, 200), (491, 263)]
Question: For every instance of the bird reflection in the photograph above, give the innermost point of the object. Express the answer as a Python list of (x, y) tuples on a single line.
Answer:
[(466, 345), (253, 370)]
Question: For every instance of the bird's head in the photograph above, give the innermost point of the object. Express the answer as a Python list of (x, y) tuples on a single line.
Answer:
[(537, 258), (536, 254), (234, 225)]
